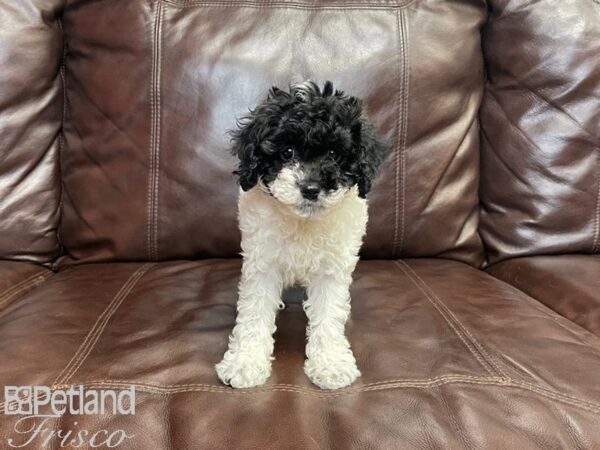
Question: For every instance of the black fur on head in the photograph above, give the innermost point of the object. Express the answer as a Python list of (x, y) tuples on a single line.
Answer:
[(324, 133)]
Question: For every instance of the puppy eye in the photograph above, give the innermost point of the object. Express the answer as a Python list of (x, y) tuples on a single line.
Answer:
[(332, 153), (287, 153)]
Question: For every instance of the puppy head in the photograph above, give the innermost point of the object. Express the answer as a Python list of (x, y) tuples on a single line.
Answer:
[(307, 148)]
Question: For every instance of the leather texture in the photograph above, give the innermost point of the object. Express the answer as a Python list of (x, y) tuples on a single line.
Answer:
[(540, 146), (153, 88), (568, 284), (31, 106), (450, 357), (17, 278)]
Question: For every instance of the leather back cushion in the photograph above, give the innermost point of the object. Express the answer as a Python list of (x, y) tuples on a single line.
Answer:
[(540, 121), (153, 88), (31, 111)]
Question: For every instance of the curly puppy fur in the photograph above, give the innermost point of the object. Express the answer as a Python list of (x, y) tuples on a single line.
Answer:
[(307, 159)]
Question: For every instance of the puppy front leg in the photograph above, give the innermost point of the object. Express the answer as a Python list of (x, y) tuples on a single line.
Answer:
[(247, 362), (330, 362)]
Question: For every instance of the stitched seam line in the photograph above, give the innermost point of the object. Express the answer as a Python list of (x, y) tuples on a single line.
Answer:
[(427, 384), (597, 212), (400, 158), (28, 283), (149, 199), (444, 313), (416, 384), (31, 284), (595, 407), (285, 5), (406, 78), (158, 44), (61, 134), (398, 122), (489, 359), (446, 316), (201, 387), (550, 314), (152, 214), (96, 331), (292, 386), (11, 289)]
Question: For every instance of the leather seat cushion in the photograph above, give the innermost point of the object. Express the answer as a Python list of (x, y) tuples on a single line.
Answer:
[(568, 284), (450, 356)]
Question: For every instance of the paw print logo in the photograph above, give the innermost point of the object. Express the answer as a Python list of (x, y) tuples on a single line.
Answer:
[(18, 400)]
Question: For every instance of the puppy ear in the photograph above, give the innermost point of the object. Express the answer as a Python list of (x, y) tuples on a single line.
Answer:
[(304, 92), (275, 93), (327, 89), (373, 151), (246, 146)]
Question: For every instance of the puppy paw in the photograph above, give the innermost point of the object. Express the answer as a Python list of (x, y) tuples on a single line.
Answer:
[(243, 372), (332, 372)]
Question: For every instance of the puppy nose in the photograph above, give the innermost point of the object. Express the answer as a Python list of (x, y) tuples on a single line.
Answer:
[(310, 191)]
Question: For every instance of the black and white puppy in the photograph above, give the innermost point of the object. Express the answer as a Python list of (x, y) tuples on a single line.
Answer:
[(307, 159)]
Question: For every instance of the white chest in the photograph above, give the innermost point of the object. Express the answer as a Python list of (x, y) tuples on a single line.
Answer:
[(299, 248)]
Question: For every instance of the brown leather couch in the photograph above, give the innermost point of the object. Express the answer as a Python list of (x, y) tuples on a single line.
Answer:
[(119, 241)]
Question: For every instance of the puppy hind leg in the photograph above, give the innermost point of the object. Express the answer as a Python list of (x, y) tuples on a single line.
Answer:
[(330, 363), (247, 362)]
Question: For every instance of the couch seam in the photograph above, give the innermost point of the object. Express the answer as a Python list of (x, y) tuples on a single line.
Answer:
[(158, 44), (385, 385), (61, 135), (191, 387), (91, 339), (62, 72), (454, 423), (284, 5), (288, 387), (149, 199), (417, 384), (398, 107), (597, 212), (401, 124), (465, 330), (595, 407), (405, 127), (29, 282), (293, 386), (8, 291), (155, 130), (548, 314), (463, 334)]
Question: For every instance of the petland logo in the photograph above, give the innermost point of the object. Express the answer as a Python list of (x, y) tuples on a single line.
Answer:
[(39, 404)]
